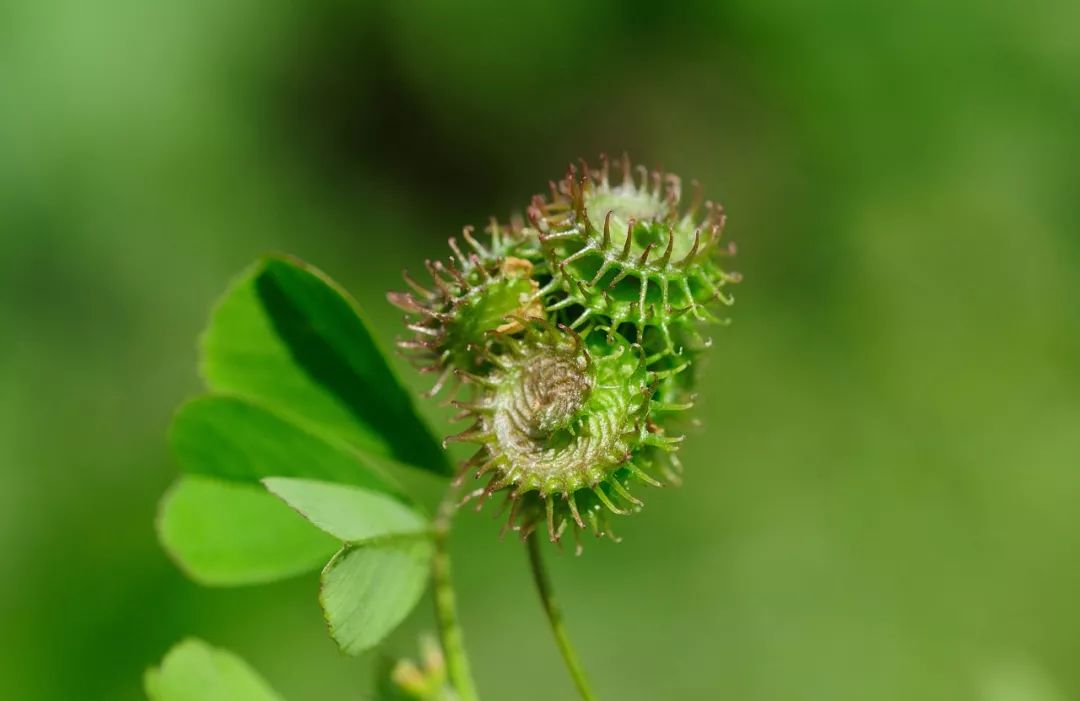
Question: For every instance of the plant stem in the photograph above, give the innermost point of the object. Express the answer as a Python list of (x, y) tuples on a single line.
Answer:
[(453, 644), (554, 615)]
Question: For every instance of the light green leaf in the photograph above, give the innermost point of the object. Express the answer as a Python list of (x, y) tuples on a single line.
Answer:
[(195, 671), (223, 533), (238, 440), (368, 590), (350, 514), (287, 335)]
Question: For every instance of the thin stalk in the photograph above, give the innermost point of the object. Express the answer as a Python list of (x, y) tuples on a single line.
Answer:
[(554, 615), (453, 643)]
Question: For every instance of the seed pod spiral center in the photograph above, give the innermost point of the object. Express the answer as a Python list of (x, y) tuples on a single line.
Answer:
[(552, 388)]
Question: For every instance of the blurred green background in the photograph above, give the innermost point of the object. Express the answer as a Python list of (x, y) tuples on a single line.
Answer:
[(884, 501)]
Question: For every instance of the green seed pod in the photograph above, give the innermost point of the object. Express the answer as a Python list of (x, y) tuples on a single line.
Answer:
[(628, 252), (471, 295), (578, 347), (562, 422)]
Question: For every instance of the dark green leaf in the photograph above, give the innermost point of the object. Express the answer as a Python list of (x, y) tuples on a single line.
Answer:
[(195, 671), (287, 335), (350, 514), (223, 533), (368, 590), (235, 439)]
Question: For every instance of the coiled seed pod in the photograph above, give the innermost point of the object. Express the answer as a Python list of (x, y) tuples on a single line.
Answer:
[(628, 252), (578, 347), (470, 295), (561, 420)]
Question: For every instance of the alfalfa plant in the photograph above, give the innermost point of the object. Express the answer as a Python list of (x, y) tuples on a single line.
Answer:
[(567, 340)]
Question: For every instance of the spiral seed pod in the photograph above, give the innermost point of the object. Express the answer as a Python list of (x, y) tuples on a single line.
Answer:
[(470, 295), (628, 252), (579, 347), (564, 425)]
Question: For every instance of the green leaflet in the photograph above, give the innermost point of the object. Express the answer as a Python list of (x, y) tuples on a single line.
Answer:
[(287, 335), (235, 439), (368, 590), (228, 534), (349, 514), (195, 671)]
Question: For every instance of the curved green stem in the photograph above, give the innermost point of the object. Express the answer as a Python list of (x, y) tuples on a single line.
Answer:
[(554, 615), (453, 644)]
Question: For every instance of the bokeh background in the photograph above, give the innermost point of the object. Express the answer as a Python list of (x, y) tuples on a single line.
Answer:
[(884, 501)]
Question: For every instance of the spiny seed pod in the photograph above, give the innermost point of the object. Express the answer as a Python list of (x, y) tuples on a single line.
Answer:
[(471, 295), (628, 252), (563, 423), (577, 347)]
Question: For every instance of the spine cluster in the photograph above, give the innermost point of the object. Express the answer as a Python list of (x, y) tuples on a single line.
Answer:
[(570, 340)]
